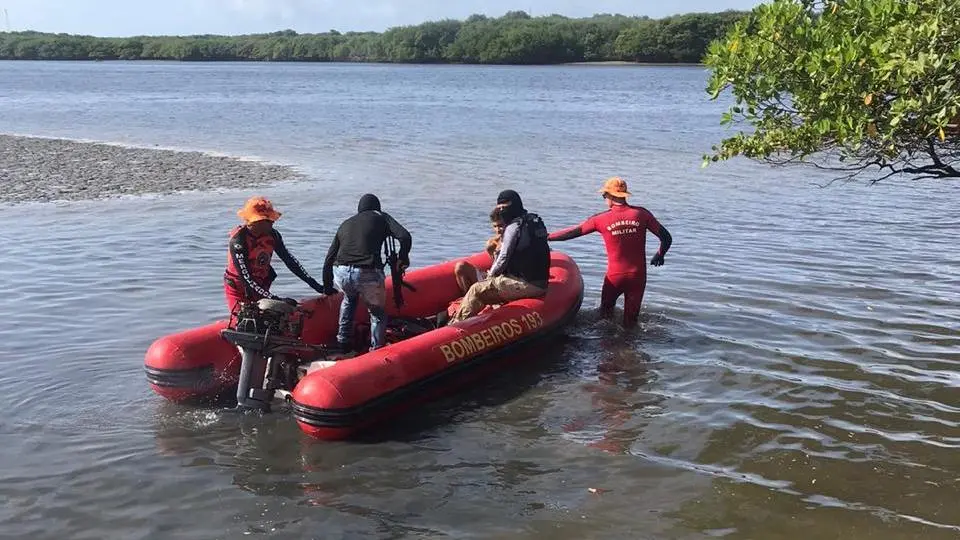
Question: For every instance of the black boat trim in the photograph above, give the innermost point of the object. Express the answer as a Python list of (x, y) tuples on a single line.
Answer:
[(187, 379)]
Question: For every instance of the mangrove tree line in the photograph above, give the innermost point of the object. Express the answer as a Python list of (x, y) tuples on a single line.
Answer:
[(515, 38), (856, 86)]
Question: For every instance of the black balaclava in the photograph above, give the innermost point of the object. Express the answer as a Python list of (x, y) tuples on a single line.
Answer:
[(368, 202), (514, 206)]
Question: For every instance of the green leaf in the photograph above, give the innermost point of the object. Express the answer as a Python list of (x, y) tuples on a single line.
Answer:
[(878, 69)]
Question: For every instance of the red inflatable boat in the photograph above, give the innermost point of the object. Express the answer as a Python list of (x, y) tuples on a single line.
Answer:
[(332, 400)]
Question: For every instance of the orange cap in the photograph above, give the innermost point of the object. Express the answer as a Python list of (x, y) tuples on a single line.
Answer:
[(258, 209), (615, 186)]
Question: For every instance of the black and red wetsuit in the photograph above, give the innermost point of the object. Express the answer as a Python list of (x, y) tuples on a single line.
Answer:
[(624, 231), (249, 274)]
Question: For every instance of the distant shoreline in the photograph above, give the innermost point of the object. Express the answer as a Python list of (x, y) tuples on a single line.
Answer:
[(600, 63), (515, 39), (641, 64)]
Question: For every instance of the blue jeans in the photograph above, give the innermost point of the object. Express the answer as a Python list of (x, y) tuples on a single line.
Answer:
[(369, 284)]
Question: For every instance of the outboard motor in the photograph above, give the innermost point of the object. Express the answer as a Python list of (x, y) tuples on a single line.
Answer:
[(267, 333)]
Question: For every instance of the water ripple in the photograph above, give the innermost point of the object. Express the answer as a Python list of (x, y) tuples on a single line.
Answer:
[(795, 372)]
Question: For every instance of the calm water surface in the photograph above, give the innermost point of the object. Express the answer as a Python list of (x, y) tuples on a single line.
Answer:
[(795, 375)]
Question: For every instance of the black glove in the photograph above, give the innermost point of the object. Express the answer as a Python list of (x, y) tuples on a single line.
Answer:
[(328, 290), (404, 263), (657, 260), (290, 301)]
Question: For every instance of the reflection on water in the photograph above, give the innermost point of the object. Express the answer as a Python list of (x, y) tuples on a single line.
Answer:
[(794, 375), (616, 381)]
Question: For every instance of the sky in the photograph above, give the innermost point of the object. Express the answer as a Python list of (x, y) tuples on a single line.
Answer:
[(182, 17)]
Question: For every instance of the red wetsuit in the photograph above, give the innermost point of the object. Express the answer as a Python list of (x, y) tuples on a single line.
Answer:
[(249, 275), (624, 231)]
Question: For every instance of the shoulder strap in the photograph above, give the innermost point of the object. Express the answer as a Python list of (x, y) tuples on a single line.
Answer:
[(539, 228)]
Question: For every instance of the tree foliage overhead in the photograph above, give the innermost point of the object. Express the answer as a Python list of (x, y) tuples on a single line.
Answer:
[(515, 38), (850, 85)]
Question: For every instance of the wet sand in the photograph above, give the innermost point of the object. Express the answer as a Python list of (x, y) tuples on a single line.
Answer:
[(44, 170)]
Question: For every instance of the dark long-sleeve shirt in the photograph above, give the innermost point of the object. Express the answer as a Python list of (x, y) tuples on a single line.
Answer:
[(359, 241)]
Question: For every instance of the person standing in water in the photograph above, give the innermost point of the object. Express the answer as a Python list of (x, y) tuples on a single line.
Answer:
[(249, 275), (624, 231)]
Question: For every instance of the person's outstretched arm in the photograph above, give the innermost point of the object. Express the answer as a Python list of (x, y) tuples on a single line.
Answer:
[(576, 231), (292, 263)]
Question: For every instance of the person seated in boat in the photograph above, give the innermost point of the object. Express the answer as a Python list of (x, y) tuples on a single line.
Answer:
[(468, 274), (354, 266), (521, 268), (624, 231), (249, 275)]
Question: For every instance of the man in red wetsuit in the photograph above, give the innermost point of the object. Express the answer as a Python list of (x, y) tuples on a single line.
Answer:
[(624, 231), (249, 275)]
